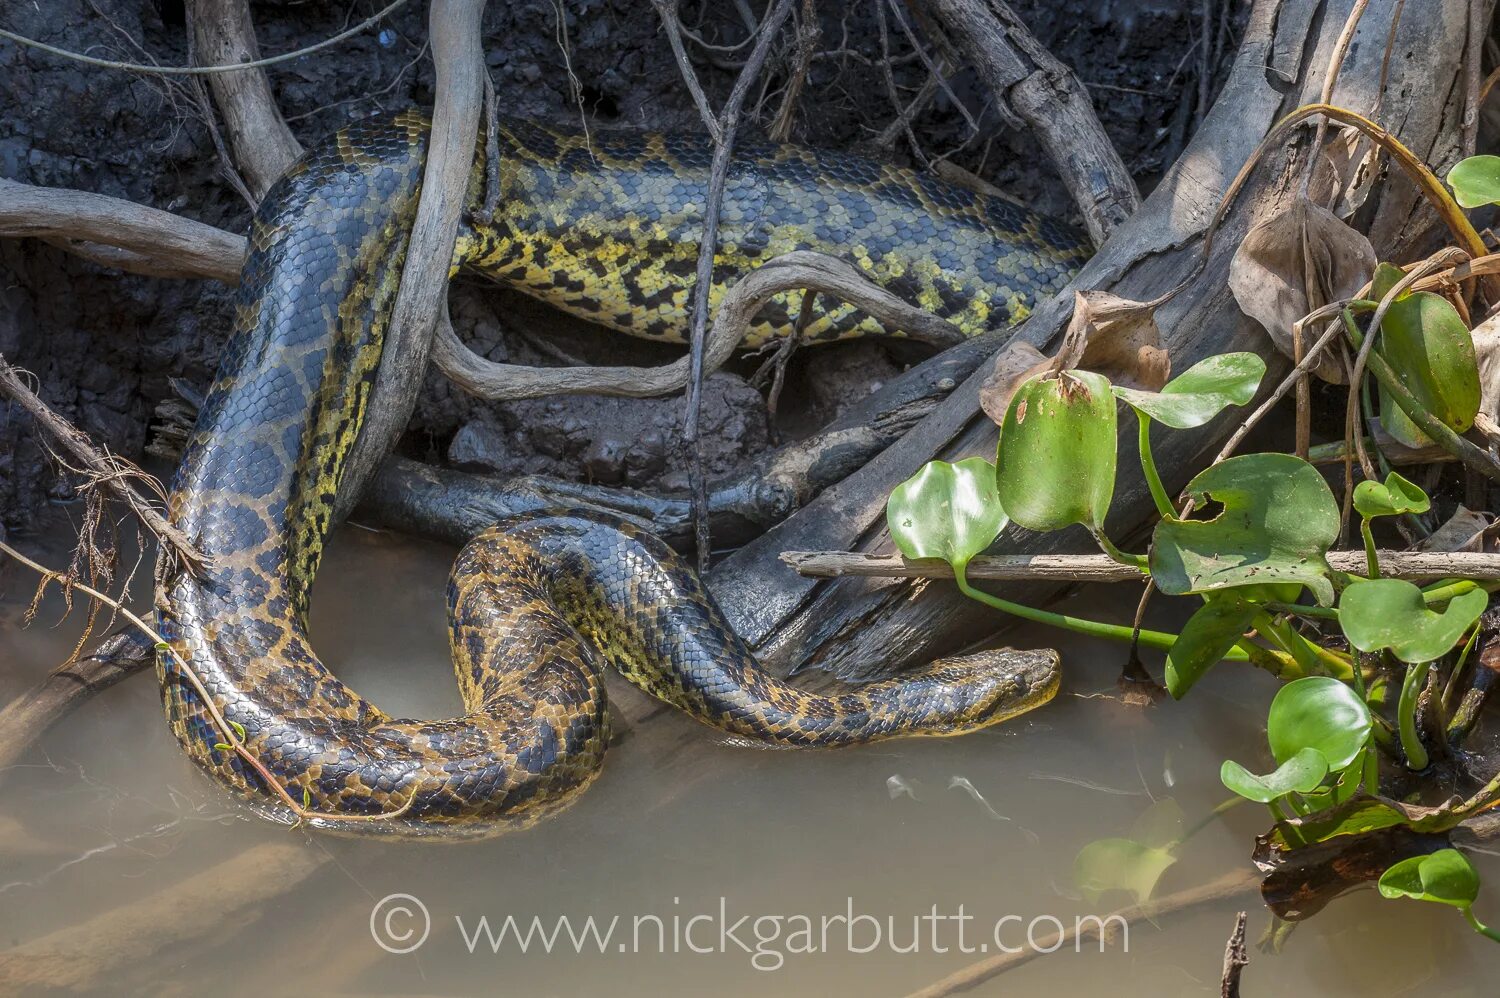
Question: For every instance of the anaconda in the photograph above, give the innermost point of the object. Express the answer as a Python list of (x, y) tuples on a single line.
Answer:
[(607, 227)]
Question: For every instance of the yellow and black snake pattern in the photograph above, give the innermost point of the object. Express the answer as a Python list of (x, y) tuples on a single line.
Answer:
[(604, 226)]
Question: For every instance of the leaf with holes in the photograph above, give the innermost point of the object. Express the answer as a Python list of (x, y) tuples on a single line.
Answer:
[(1278, 522)]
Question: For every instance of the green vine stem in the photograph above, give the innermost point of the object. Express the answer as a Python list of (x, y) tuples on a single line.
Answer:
[(1160, 640), (1148, 465), (1406, 716)]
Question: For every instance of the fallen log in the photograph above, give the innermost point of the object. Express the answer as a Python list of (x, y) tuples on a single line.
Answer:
[(858, 628)]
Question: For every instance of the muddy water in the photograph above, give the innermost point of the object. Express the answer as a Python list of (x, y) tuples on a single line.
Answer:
[(107, 813)]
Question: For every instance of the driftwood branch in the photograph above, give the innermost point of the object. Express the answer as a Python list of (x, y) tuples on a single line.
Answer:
[(29, 715), (1099, 568), (458, 55), (1032, 87), (90, 955), (1227, 886), (262, 144)]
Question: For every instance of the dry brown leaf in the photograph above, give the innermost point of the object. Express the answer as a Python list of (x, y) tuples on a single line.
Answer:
[(1294, 262), (1487, 352), (1464, 531), (1345, 172), (1108, 334), (1013, 365)]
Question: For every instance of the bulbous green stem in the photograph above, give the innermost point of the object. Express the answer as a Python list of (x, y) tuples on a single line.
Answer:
[(1372, 560), (1406, 716), (1478, 926), (1148, 465)]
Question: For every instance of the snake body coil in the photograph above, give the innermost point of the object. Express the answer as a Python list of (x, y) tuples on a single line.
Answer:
[(605, 227)]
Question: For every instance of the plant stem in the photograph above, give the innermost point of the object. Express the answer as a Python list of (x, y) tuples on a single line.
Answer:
[(1406, 716), (1372, 560), (1148, 465), (1138, 561), (1478, 926), (1159, 640)]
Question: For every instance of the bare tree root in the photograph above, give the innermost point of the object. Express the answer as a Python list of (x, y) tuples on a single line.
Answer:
[(119, 233), (30, 715), (114, 474), (89, 955), (1032, 88), (737, 310), (262, 144)]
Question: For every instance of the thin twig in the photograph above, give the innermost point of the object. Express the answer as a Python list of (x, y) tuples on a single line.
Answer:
[(727, 123)]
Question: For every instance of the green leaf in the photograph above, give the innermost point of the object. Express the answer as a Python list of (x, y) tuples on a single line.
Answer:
[(1396, 496), (1444, 877), (1395, 421), (1387, 276), (1056, 462), (1201, 392), (1206, 638), (1278, 522), (1432, 352), (1301, 774), (1476, 181), (947, 511), (223, 747), (1390, 613), (239, 729), (1120, 865), (1321, 713)]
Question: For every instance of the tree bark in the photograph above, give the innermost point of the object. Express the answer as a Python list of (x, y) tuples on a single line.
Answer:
[(860, 628)]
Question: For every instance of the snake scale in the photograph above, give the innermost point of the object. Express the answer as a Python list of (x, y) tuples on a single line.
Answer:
[(605, 226)]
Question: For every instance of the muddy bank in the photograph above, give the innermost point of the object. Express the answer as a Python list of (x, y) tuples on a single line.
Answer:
[(107, 347)]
